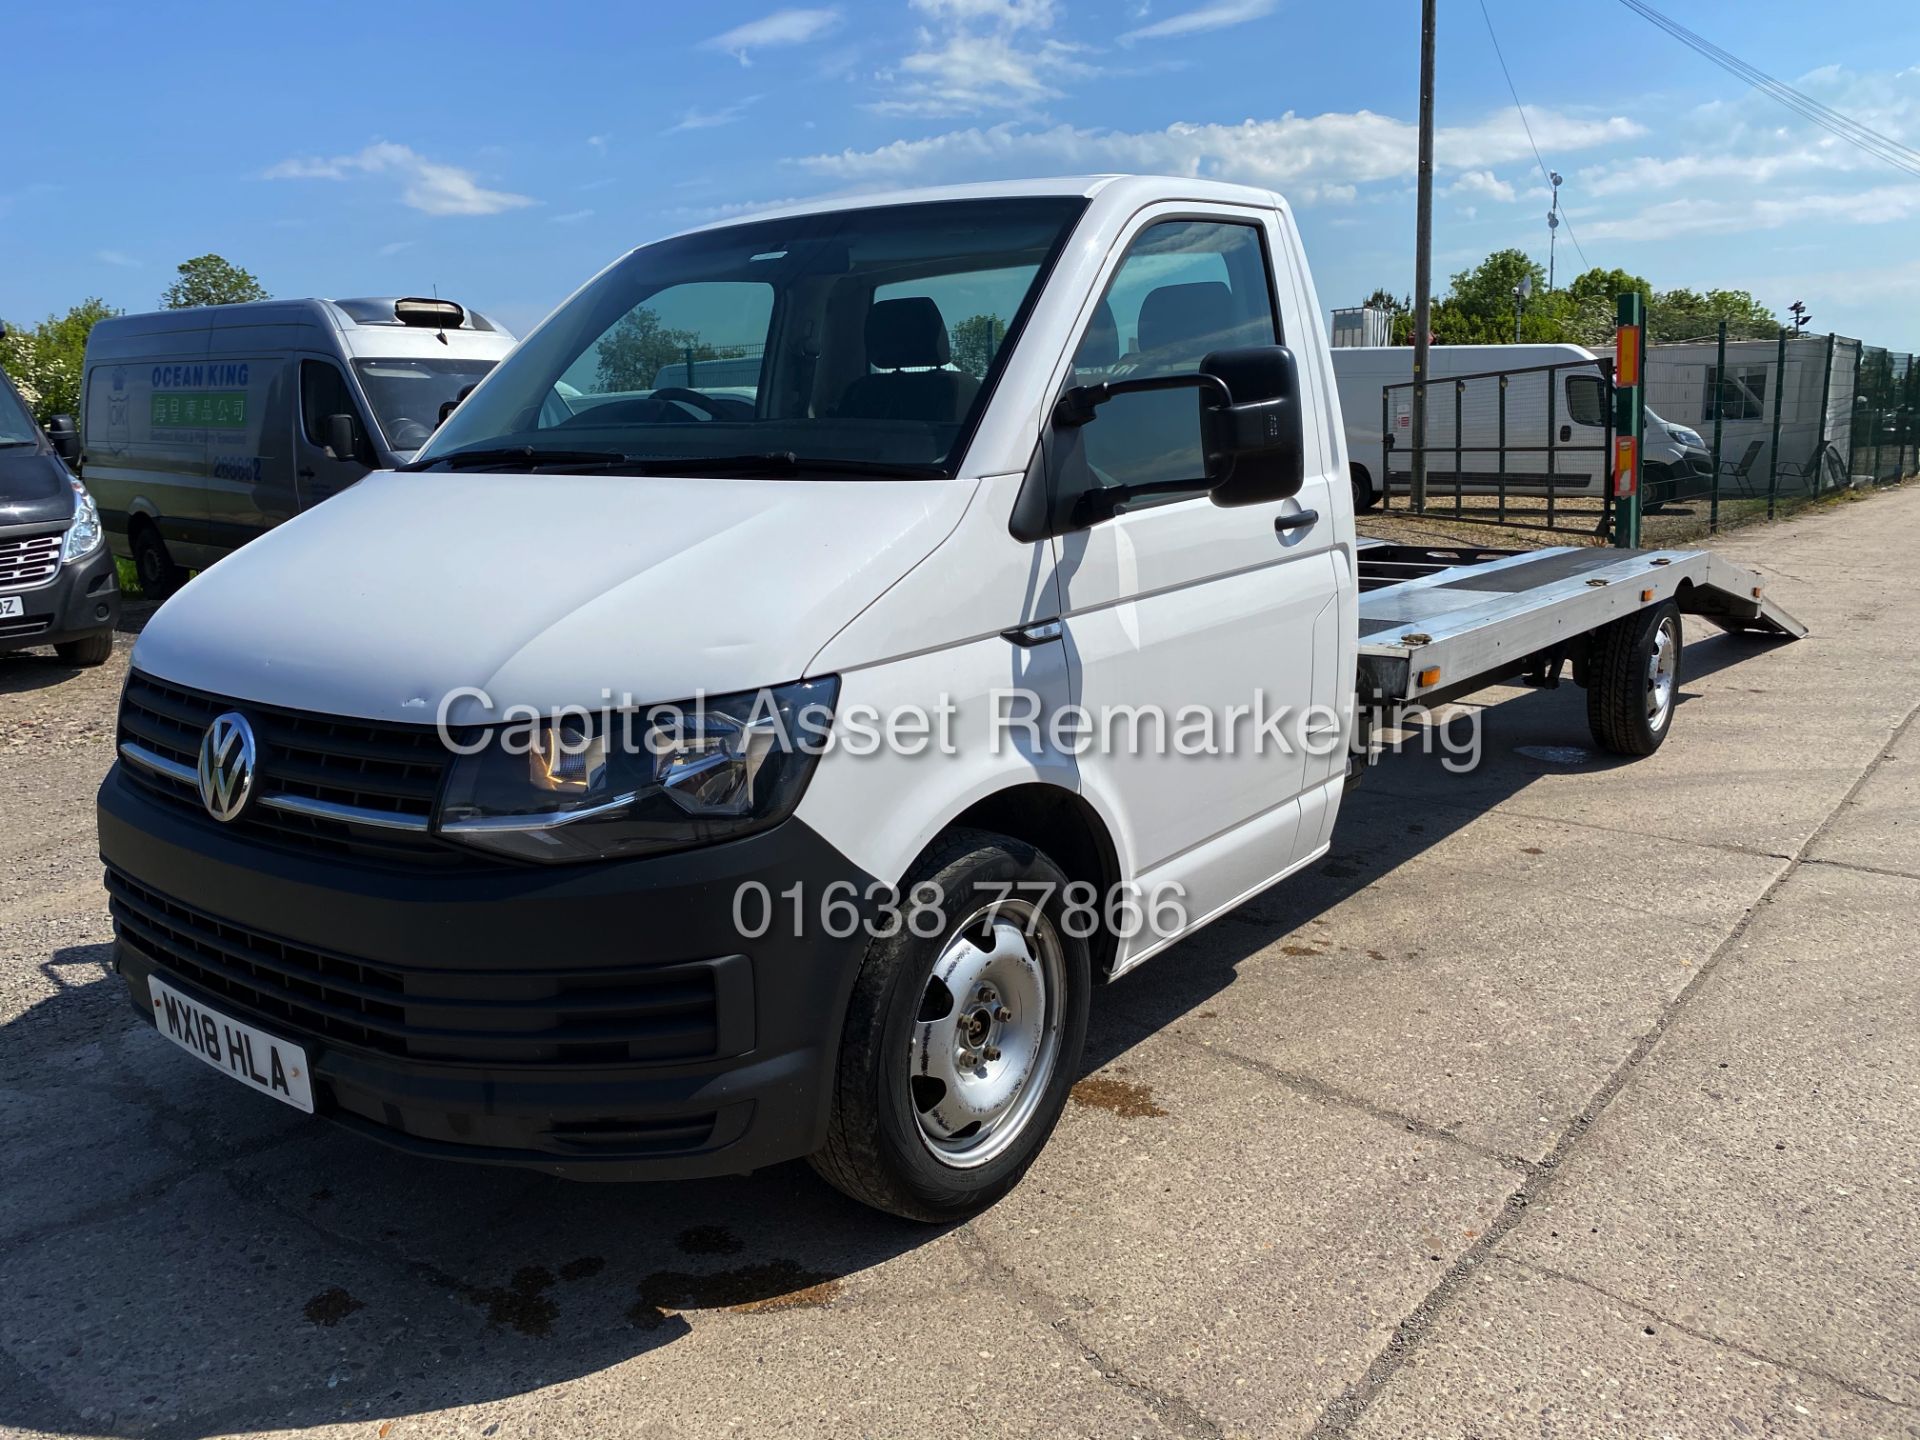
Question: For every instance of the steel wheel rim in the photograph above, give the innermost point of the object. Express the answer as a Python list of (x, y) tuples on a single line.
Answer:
[(1662, 668), (995, 995)]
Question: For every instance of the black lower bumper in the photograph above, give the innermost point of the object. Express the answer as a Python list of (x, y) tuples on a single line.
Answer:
[(83, 599), (460, 974)]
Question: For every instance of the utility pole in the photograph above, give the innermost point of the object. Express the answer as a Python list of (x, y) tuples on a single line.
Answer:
[(1553, 227), (1423, 259)]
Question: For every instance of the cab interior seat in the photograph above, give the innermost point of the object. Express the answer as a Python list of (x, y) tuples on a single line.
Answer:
[(908, 348)]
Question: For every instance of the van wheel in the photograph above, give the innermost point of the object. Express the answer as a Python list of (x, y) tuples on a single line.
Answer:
[(960, 1045), (88, 651), (1365, 497), (1634, 680), (159, 577)]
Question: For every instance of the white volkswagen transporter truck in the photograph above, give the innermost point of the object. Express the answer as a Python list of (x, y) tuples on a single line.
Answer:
[(653, 781)]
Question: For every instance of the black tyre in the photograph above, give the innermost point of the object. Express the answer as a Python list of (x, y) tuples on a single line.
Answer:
[(1365, 497), (960, 1045), (159, 577), (88, 651), (1634, 679)]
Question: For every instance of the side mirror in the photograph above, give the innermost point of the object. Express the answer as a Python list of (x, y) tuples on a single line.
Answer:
[(1256, 443), (65, 438), (447, 407), (344, 440)]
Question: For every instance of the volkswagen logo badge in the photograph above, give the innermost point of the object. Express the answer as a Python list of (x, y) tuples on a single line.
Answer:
[(226, 765)]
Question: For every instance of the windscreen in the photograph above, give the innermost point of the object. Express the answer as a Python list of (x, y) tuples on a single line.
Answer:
[(16, 426), (861, 339), (406, 395)]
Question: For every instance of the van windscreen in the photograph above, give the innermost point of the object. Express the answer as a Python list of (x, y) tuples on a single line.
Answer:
[(864, 341), (406, 395)]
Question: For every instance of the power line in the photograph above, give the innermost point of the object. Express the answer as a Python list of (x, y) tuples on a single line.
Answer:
[(1545, 174), (1863, 137)]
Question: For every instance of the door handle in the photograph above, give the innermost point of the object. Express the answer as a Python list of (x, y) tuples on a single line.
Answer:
[(1299, 520), (305, 473), (1566, 432)]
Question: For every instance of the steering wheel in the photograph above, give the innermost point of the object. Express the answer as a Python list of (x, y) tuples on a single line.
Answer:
[(409, 434), (714, 407)]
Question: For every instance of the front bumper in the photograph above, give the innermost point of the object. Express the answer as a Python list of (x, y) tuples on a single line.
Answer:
[(83, 599), (597, 1022)]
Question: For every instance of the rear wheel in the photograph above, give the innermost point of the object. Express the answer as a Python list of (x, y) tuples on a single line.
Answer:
[(88, 651), (960, 1045), (1365, 497), (159, 577), (1634, 679)]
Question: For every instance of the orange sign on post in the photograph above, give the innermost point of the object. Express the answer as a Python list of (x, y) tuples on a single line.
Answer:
[(1625, 470), (1626, 352)]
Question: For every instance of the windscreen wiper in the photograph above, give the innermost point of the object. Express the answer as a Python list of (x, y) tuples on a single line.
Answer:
[(754, 463), (524, 457)]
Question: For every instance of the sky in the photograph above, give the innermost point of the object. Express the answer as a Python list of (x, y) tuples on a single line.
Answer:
[(505, 153)]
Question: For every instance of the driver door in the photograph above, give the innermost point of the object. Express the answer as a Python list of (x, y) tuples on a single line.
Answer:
[(318, 472), (1186, 608)]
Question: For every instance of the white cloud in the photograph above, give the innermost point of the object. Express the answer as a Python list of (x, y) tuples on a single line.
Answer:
[(782, 27), (1484, 185), (1217, 16), (427, 185), (394, 247), (116, 257), (599, 142), (978, 57), (1730, 215), (1341, 148), (697, 119), (572, 217)]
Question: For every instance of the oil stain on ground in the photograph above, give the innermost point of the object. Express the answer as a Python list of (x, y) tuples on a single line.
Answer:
[(585, 1268), (522, 1304), (332, 1306), (708, 1240), (746, 1290), (1130, 1102)]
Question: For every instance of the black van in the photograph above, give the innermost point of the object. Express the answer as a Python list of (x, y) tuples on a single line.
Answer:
[(57, 581)]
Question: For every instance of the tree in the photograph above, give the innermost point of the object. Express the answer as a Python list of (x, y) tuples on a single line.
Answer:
[(640, 347), (976, 340), (46, 361), (1683, 314), (211, 280)]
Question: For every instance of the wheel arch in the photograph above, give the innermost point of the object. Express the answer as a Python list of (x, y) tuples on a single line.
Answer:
[(1062, 823)]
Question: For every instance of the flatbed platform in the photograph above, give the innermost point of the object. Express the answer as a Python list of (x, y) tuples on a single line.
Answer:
[(1443, 620)]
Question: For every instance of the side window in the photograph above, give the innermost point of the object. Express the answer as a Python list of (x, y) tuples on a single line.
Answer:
[(1185, 288), (1586, 400), (323, 392)]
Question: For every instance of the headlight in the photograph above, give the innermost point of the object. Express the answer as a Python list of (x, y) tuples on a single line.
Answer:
[(630, 782), (84, 533), (1680, 435)]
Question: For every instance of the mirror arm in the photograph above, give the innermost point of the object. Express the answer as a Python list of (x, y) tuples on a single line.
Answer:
[(1095, 506), (1077, 405)]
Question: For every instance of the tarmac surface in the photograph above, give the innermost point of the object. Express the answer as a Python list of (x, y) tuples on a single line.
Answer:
[(1566, 1097)]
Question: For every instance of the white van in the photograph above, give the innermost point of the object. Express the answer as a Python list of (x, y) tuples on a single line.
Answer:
[(203, 428), (652, 785), (1554, 426)]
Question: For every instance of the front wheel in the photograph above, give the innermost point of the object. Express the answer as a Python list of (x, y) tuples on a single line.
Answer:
[(88, 651), (1634, 680), (960, 1044)]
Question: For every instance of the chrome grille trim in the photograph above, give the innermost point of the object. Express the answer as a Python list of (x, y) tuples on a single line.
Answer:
[(292, 804), (30, 561)]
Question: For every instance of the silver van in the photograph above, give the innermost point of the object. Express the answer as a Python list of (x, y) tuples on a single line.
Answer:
[(203, 428)]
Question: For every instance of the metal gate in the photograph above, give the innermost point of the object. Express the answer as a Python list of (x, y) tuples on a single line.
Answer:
[(1528, 447)]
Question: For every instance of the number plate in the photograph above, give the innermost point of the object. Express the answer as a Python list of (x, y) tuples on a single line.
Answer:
[(10, 607), (261, 1061)]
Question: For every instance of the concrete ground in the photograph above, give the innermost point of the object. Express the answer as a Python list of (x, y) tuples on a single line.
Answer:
[(1569, 1099)]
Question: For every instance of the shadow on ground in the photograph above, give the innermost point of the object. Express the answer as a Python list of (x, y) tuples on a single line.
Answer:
[(180, 1258)]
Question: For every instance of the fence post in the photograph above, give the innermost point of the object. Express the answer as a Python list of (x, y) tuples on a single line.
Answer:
[(1719, 392), (1629, 413), (1820, 450), (1503, 449), (1773, 455), (1459, 394), (1386, 450)]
